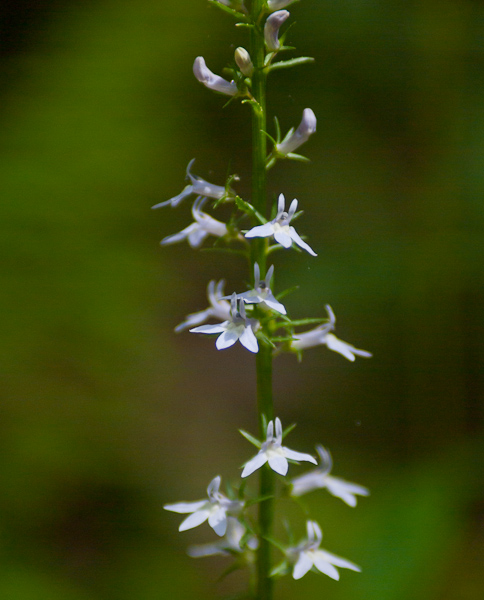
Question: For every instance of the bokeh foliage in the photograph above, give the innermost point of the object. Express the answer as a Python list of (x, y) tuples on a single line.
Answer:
[(106, 414)]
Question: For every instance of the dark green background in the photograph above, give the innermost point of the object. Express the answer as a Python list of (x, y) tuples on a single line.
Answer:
[(106, 414)]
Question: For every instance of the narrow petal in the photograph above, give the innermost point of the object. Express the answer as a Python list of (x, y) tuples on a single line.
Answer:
[(254, 464), (279, 464), (339, 346), (261, 231), (197, 236), (218, 521), (193, 320), (205, 550), (175, 201), (338, 561), (281, 203), (227, 339), (292, 209), (292, 454), (248, 340), (278, 430), (275, 305), (325, 567), (194, 520), (302, 566), (185, 507), (256, 274), (219, 328), (301, 243), (268, 276), (214, 486)]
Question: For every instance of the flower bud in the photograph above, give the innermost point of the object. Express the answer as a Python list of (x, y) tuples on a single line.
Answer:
[(271, 28), (273, 5), (242, 58), (294, 139), (212, 81)]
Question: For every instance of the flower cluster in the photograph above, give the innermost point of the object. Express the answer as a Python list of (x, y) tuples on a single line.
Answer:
[(255, 315)]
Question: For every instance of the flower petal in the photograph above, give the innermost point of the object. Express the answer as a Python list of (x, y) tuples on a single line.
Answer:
[(283, 238), (194, 520), (299, 455), (324, 567), (218, 328), (185, 507), (218, 521), (279, 464), (301, 243), (254, 464), (302, 566), (248, 340), (339, 346), (338, 561), (261, 231), (227, 339)]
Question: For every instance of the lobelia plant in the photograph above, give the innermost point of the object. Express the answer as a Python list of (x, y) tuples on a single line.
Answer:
[(259, 321)]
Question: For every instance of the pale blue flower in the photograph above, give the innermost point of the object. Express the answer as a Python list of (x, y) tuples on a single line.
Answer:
[(196, 233), (197, 186), (321, 336), (218, 309), (238, 327), (273, 452), (294, 139), (271, 29), (320, 478), (261, 293), (214, 509), (280, 228), (229, 544), (308, 554), (212, 81)]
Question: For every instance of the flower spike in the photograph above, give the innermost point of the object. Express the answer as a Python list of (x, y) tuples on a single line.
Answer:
[(321, 336), (279, 227), (273, 452), (212, 81), (271, 29), (215, 509), (294, 139), (320, 478)]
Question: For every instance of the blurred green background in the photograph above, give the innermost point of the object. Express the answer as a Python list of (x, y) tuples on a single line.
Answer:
[(106, 414)]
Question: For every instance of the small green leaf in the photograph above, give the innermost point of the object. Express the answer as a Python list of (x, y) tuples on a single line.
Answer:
[(251, 438), (228, 10), (293, 62), (288, 430), (285, 293)]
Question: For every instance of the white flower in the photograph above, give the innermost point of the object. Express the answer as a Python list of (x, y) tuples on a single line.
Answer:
[(212, 81), (214, 509), (278, 4), (275, 453), (271, 29), (218, 309), (262, 292), (308, 555), (320, 478), (195, 233), (242, 58), (294, 139), (197, 186), (279, 227), (238, 327), (230, 544), (321, 335)]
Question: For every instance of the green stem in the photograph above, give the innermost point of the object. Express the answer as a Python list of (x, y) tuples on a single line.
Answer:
[(265, 408)]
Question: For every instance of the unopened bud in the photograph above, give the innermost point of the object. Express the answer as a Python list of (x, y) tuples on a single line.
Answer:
[(294, 139), (242, 58), (271, 28), (212, 81)]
